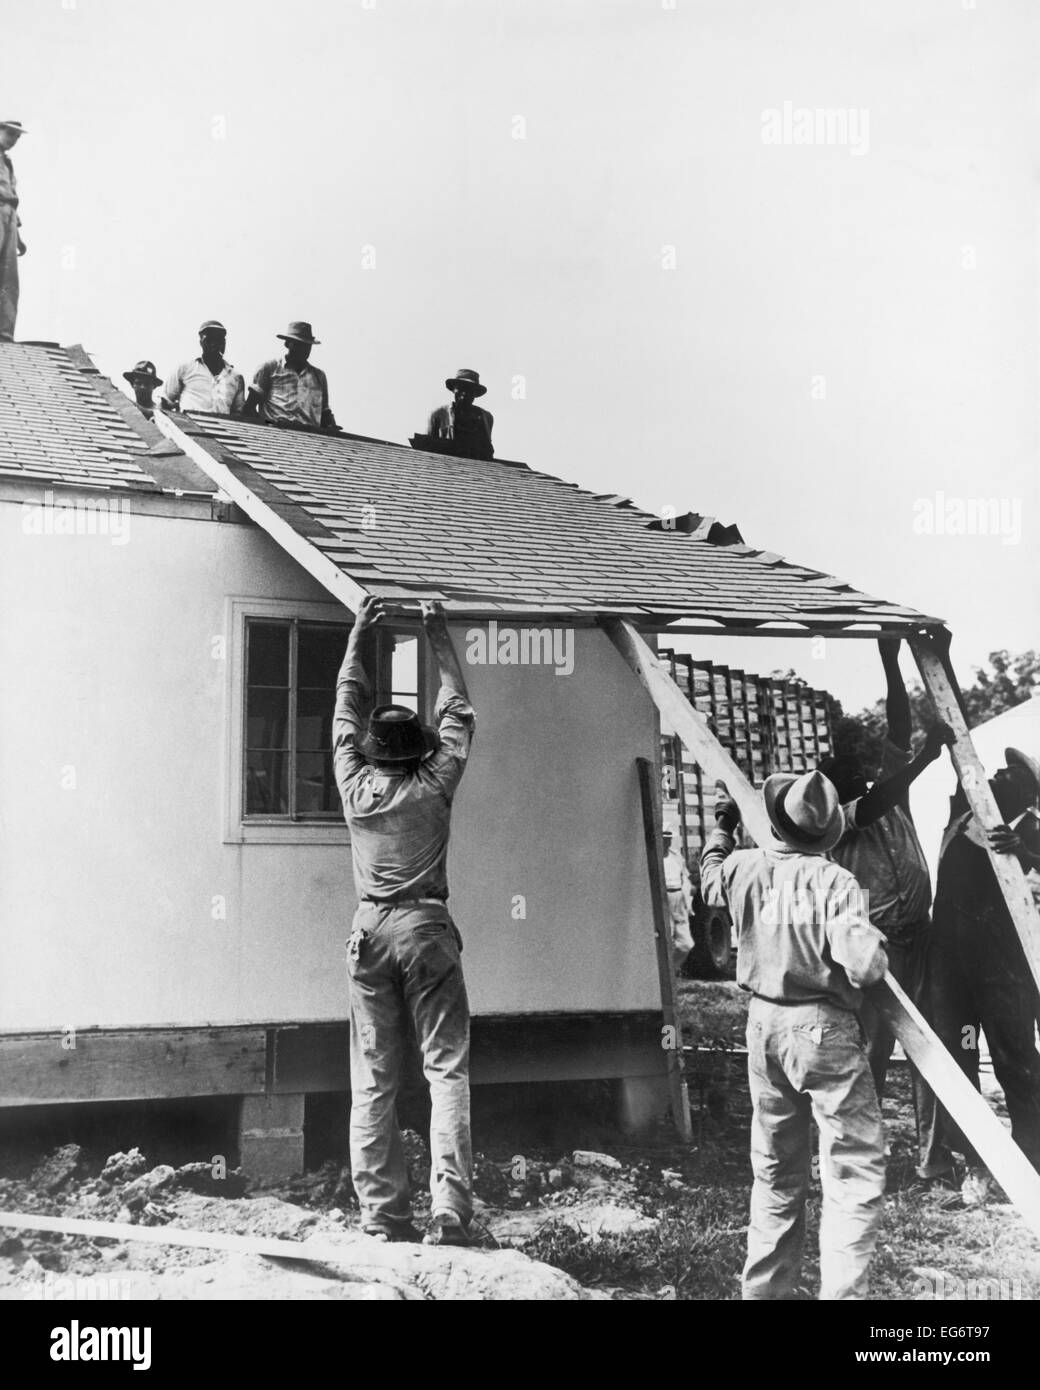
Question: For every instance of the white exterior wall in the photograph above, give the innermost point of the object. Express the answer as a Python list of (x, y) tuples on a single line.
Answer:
[(114, 725)]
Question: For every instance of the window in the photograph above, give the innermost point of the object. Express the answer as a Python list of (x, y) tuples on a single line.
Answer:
[(291, 665), (291, 669)]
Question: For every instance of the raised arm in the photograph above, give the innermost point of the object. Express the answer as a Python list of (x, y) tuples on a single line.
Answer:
[(893, 791), (452, 680), (897, 702), (353, 692)]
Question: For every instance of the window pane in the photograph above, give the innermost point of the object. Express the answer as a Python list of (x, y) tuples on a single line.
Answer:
[(267, 784), (268, 654), (319, 654), (409, 701), (314, 719), (404, 666), (315, 784), (267, 718)]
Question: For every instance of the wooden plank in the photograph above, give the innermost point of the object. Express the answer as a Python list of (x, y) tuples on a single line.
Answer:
[(663, 942), (1008, 871), (993, 1143), (691, 726), (328, 574), (355, 1253), (131, 1064)]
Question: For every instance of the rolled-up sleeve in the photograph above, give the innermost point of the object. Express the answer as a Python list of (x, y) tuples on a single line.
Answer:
[(174, 385), (456, 722), (718, 848), (855, 945), (352, 695)]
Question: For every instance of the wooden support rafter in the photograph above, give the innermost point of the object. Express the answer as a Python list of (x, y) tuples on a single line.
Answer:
[(933, 663), (650, 799), (970, 1111)]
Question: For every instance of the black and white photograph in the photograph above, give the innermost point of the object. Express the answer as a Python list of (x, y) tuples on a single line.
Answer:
[(519, 668)]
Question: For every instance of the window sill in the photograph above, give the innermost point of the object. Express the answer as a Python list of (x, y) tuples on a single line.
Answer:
[(306, 833)]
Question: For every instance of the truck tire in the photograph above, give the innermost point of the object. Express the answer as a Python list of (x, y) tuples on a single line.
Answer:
[(712, 954)]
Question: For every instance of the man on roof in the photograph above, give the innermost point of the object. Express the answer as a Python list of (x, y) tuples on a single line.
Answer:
[(143, 381), (880, 848), (11, 244), (397, 779), (978, 979), (806, 952), (464, 426), (290, 390), (207, 383)]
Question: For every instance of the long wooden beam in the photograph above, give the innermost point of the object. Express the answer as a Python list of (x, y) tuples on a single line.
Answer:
[(690, 725), (319, 566), (648, 785), (991, 1140), (936, 674)]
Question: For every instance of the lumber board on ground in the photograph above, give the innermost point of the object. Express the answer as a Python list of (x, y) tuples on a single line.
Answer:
[(663, 942), (991, 1140), (312, 1251), (972, 775)]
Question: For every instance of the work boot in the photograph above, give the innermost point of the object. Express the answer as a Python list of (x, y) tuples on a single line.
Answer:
[(401, 1230), (975, 1187), (446, 1228)]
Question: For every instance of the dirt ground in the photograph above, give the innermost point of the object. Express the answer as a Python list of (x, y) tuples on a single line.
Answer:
[(598, 1215)]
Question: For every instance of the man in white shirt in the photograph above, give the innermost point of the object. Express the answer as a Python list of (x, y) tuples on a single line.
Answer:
[(807, 951), (207, 383), (680, 898)]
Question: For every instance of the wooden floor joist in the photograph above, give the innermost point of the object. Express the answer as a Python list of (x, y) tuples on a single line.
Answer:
[(994, 1144)]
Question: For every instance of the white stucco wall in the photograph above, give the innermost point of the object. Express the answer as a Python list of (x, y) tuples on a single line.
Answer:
[(113, 728)]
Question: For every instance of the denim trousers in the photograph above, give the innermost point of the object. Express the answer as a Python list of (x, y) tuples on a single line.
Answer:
[(406, 978), (809, 1061)]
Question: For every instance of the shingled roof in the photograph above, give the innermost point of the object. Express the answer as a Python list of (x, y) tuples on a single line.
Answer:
[(500, 537), (64, 424), (486, 538)]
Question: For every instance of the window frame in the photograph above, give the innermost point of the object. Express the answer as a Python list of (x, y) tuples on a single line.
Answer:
[(324, 828)]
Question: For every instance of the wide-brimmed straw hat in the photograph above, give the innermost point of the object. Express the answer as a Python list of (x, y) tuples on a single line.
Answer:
[(466, 377), (143, 368), (395, 734), (298, 332), (804, 811)]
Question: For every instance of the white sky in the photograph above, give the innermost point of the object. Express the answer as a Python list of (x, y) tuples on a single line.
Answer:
[(234, 160)]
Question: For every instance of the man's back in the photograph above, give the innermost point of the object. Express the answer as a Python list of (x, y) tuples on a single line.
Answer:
[(804, 933)]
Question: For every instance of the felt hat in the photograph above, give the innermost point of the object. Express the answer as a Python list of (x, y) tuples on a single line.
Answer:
[(804, 811), (14, 125), (298, 332), (212, 323), (1014, 757), (465, 376), (143, 368), (396, 735)]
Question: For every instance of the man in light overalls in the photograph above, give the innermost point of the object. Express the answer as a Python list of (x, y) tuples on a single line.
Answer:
[(397, 778), (806, 950)]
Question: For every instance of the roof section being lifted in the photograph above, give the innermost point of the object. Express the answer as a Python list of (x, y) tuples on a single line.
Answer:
[(501, 540)]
